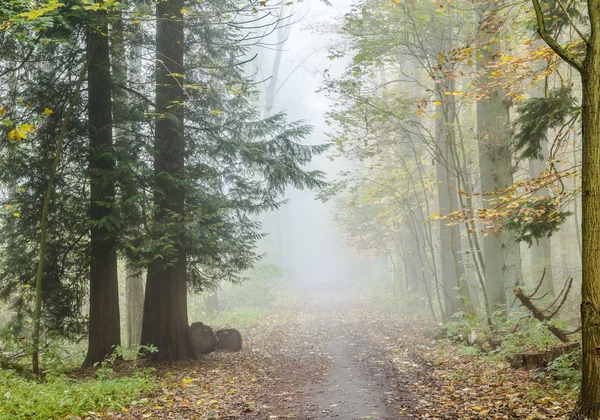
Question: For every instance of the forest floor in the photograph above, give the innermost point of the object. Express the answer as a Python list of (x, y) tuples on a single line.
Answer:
[(323, 358)]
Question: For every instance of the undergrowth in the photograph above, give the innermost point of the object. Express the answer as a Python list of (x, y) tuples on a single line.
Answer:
[(512, 335), (58, 396)]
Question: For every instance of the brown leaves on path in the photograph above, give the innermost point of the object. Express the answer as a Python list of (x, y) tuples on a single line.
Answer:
[(284, 368)]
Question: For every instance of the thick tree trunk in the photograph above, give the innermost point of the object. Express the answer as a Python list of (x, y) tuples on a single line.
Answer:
[(588, 406), (124, 65), (501, 252), (165, 323), (104, 330)]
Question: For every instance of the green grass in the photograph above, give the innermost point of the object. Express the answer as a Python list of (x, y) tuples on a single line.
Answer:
[(63, 397)]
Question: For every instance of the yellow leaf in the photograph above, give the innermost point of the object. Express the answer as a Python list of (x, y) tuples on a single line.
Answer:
[(28, 128), (16, 135), (48, 112), (17, 214), (3, 110), (20, 133)]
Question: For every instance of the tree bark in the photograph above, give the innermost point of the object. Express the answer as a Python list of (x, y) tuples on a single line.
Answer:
[(541, 250), (165, 323), (104, 330), (588, 405)]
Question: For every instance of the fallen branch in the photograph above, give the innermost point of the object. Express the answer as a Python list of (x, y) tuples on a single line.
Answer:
[(539, 315)]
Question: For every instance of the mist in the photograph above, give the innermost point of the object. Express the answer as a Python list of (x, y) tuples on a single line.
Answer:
[(253, 209)]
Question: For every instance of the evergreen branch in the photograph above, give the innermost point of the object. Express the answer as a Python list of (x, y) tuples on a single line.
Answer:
[(552, 43)]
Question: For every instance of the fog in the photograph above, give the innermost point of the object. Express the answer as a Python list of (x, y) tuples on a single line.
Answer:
[(302, 235)]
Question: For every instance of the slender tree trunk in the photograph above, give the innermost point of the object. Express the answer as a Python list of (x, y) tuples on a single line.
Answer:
[(124, 64), (37, 317), (165, 323), (104, 330), (452, 269)]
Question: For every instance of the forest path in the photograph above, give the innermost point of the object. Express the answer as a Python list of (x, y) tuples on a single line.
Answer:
[(341, 359), (361, 381), (315, 358)]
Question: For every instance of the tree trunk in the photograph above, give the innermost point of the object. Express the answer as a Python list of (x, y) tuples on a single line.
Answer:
[(165, 323), (134, 296), (452, 270), (541, 249), (35, 357), (588, 406), (104, 330), (501, 252)]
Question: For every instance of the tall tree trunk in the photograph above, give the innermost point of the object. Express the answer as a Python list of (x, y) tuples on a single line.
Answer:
[(37, 317), (134, 298), (165, 323), (104, 330), (502, 253), (452, 269), (541, 250), (588, 406)]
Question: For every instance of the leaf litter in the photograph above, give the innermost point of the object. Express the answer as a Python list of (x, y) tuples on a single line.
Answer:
[(319, 358)]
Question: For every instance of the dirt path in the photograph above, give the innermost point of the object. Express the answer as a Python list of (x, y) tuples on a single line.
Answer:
[(359, 379), (346, 359)]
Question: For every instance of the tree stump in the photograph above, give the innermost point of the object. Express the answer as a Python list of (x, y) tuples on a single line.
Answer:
[(203, 337), (539, 360), (229, 339)]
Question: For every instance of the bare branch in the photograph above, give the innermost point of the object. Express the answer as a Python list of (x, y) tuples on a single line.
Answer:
[(552, 43), (579, 32)]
